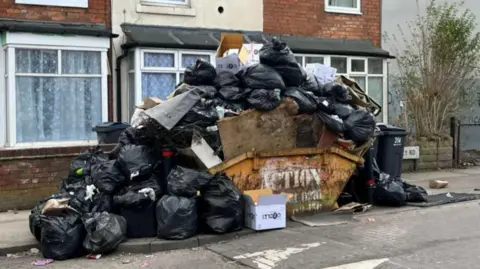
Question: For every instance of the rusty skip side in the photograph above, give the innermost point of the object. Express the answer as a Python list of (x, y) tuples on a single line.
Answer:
[(314, 177)]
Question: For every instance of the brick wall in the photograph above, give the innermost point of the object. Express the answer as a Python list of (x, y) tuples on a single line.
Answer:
[(308, 18), (433, 155), (98, 11), (27, 176)]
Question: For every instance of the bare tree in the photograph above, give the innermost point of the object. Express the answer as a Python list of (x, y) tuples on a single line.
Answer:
[(438, 62)]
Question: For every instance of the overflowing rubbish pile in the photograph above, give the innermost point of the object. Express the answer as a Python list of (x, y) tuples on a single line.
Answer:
[(155, 182)]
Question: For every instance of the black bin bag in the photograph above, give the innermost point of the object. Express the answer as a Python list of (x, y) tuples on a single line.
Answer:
[(264, 100), (415, 194), (222, 206), (208, 92), (177, 217), (260, 76), (202, 73), (82, 164), (389, 191), (202, 114), (186, 182), (307, 101), (105, 232), (342, 110), (279, 56), (332, 122), (360, 125), (338, 91), (137, 162), (107, 177), (234, 94), (131, 197), (226, 79), (62, 236), (35, 221)]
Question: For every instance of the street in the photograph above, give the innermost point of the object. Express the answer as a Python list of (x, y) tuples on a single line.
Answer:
[(437, 237)]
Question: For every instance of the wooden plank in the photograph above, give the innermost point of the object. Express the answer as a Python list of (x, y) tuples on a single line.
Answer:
[(257, 131)]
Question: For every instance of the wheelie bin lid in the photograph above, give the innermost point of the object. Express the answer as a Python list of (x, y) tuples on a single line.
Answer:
[(388, 129), (107, 127)]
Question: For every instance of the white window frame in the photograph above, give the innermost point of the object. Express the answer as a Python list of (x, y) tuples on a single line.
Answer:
[(178, 69), (20, 41), (58, 3), (3, 96), (366, 75), (345, 10), (185, 3)]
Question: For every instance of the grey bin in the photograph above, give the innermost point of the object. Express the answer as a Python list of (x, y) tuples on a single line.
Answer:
[(391, 143), (109, 132)]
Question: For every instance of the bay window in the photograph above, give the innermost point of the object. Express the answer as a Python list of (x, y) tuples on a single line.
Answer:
[(161, 70), (369, 73), (156, 72), (53, 94)]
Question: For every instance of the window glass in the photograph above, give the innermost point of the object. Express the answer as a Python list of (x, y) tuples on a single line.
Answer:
[(314, 60), (81, 62), (343, 3), (361, 81), (340, 63), (36, 61), (375, 66), (358, 65), (57, 108), (190, 59), (375, 91), (159, 59), (158, 84)]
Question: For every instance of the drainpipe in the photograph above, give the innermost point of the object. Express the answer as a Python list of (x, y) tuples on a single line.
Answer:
[(119, 84)]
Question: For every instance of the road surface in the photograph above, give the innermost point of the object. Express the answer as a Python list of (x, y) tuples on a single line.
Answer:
[(439, 237)]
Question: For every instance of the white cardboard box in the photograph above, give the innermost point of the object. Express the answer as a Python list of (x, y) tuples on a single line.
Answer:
[(231, 55), (265, 210), (253, 53)]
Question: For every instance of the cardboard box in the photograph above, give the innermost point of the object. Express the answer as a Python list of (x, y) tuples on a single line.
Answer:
[(149, 102), (265, 210), (231, 54)]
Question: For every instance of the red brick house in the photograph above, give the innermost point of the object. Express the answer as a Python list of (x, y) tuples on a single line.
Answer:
[(55, 66)]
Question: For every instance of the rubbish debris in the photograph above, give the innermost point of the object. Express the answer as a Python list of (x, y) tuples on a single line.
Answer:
[(144, 265), (438, 184), (354, 208), (34, 251), (165, 178), (94, 257), (42, 262)]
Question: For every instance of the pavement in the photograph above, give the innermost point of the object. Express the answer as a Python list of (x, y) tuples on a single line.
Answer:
[(407, 237)]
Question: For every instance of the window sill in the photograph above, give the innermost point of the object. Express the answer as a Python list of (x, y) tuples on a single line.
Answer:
[(343, 11), (38, 152), (166, 10)]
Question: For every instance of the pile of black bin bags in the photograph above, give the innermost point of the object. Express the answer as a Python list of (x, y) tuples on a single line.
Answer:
[(132, 193), (110, 200), (262, 87)]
